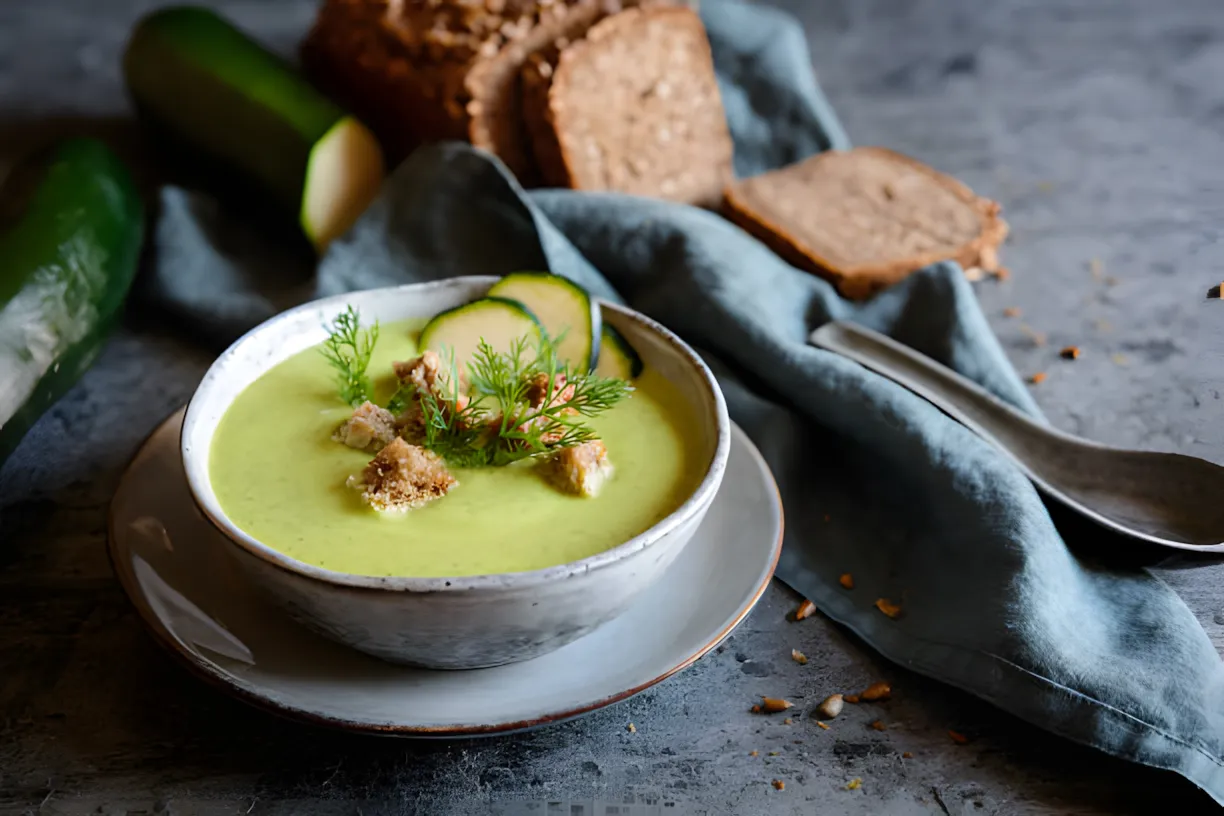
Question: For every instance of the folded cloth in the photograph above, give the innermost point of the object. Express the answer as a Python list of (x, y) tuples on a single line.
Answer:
[(876, 482)]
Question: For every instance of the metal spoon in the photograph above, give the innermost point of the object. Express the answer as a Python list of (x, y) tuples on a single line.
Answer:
[(1164, 498)]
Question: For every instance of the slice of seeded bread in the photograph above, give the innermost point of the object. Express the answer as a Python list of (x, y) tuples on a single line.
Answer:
[(419, 71), (632, 107), (866, 218)]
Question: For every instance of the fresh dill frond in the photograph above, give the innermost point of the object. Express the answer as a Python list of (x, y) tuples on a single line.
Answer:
[(498, 427), (348, 350)]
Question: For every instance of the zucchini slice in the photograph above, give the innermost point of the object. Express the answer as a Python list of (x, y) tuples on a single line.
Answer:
[(564, 309), (497, 321), (227, 103), (616, 357)]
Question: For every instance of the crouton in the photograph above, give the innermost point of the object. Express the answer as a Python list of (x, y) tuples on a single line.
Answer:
[(426, 374), (582, 469), (538, 390), (403, 477), (369, 428)]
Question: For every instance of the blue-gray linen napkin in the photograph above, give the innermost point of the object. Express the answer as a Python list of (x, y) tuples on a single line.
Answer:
[(920, 510)]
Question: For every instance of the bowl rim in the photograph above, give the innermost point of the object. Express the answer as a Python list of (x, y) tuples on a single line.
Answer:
[(211, 510)]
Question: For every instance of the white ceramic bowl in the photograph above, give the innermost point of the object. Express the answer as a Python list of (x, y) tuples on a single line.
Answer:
[(463, 622)]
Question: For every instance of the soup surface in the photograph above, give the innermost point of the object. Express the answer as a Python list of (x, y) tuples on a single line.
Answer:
[(281, 478)]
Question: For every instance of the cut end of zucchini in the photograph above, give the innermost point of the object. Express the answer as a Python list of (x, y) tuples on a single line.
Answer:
[(496, 321), (564, 309), (616, 357), (344, 175)]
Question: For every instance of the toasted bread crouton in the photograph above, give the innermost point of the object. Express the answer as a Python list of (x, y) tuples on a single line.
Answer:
[(369, 428), (582, 469), (539, 390), (426, 374), (403, 477)]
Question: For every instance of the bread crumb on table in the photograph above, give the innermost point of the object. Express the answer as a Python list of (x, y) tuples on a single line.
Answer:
[(854, 784), (875, 692), (1070, 353), (831, 707), (403, 477), (1011, 311), (772, 705), (1038, 378), (957, 737), (806, 610), (846, 580), (825, 726), (879, 725), (798, 656), (631, 728), (907, 755), (889, 608), (778, 784)]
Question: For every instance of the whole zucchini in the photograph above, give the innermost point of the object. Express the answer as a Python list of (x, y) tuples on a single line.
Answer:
[(71, 228)]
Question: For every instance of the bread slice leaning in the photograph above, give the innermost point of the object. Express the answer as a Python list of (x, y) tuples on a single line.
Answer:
[(632, 107), (866, 218)]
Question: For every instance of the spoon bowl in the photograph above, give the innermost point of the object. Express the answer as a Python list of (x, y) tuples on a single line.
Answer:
[(1163, 498)]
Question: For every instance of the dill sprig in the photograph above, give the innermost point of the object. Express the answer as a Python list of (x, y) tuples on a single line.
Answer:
[(348, 350), (498, 427)]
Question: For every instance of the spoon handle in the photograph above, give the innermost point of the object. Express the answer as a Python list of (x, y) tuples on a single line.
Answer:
[(1058, 463), (959, 397)]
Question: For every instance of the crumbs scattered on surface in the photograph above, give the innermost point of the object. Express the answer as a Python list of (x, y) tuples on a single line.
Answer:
[(1038, 338), (1070, 353), (958, 737), (799, 657), (831, 707), (851, 698), (1011, 311), (788, 721), (631, 728), (876, 691), (754, 753), (879, 725), (806, 610), (846, 580), (854, 784), (756, 709), (778, 784), (889, 608), (774, 753), (1038, 378), (825, 726), (1216, 292), (907, 755), (772, 705)]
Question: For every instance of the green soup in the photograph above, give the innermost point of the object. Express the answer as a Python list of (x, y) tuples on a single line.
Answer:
[(281, 478)]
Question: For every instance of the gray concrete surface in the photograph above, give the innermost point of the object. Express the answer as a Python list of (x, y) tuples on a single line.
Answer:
[(1097, 125)]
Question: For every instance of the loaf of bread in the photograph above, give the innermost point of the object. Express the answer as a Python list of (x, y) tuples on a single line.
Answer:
[(633, 107), (418, 71), (866, 218)]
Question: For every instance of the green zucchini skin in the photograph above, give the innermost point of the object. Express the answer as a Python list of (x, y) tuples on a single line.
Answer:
[(225, 96), (616, 357), (67, 261), (242, 122), (579, 316)]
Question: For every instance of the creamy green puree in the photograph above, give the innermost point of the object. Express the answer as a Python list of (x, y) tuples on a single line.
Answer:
[(281, 478)]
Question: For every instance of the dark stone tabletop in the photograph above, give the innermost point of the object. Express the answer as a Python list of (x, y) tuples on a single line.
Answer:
[(1099, 128)]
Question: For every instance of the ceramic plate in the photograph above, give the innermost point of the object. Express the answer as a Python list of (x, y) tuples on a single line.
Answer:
[(172, 564)]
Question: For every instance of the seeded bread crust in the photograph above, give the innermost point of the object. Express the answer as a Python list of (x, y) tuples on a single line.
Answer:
[(632, 107), (419, 71), (866, 218)]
